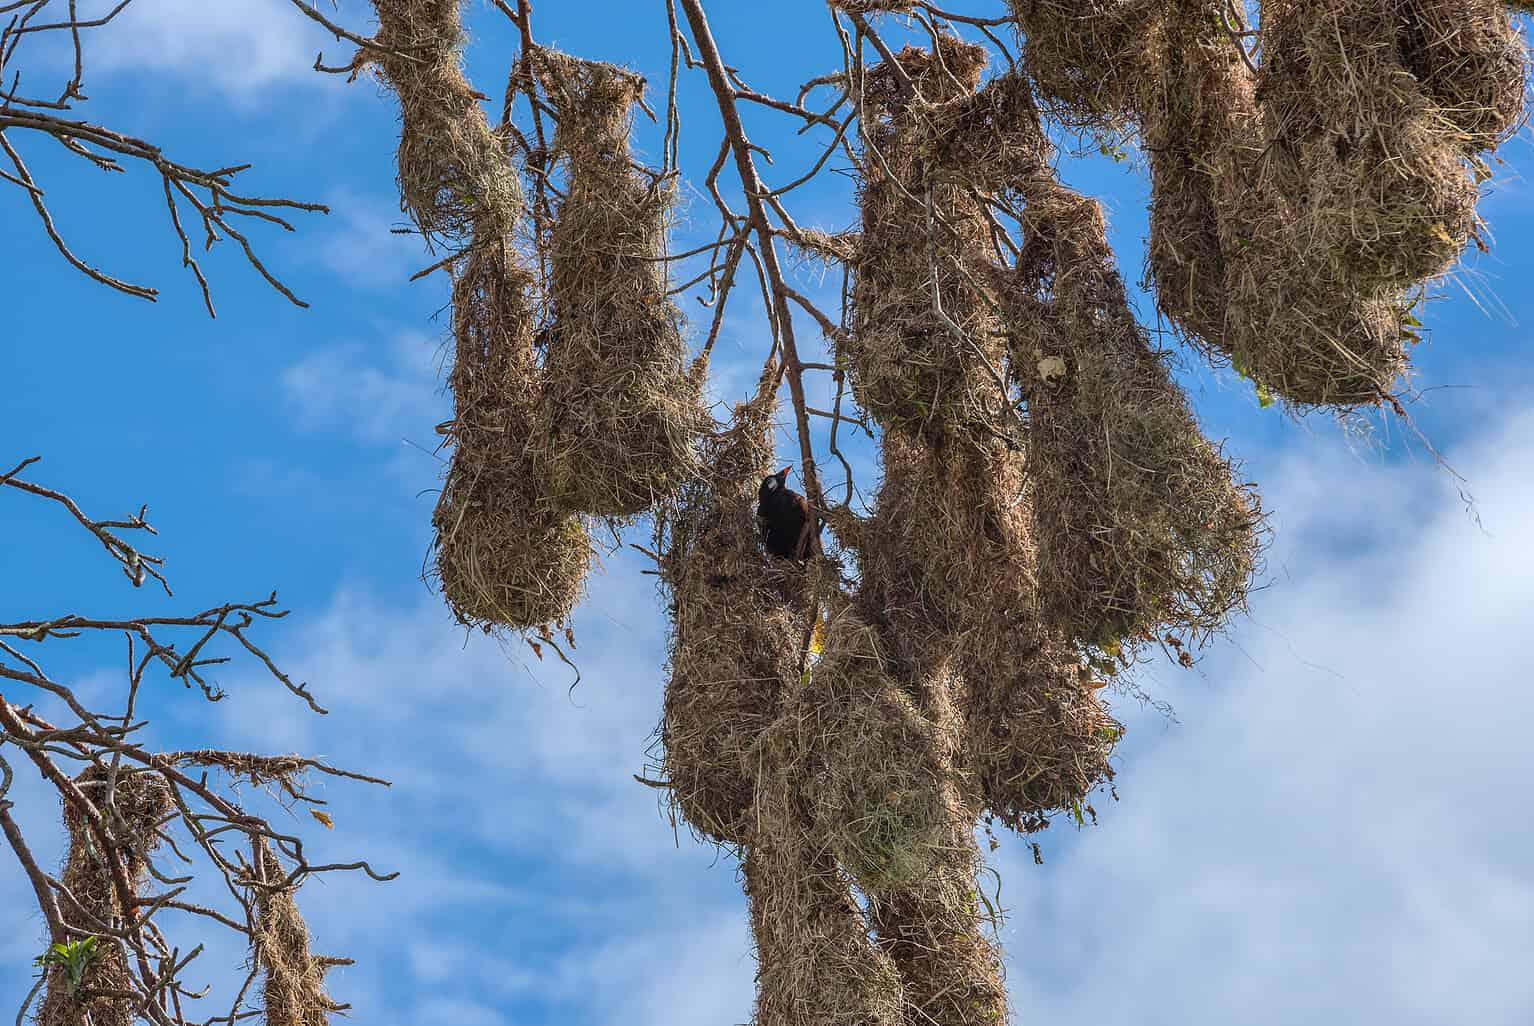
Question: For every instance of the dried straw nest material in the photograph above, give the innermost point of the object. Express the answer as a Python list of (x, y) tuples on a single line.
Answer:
[(456, 178), (1191, 102), (1138, 519), (938, 541), (293, 979), (132, 813), (815, 963), (879, 791), (737, 626), (504, 557), (991, 138), (1470, 60), (1086, 56), (938, 936), (1040, 739), (1384, 196), (621, 417), (921, 333), (933, 927)]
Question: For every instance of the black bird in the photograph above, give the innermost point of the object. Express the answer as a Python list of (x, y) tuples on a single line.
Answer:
[(783, 516)]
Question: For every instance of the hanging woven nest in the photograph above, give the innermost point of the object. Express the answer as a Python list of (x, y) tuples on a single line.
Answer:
[(1376, 170), (815, 963), (1086, 56), (143, 800), (921, 333), (1191, 105), (293, 979), (738, 620), (1139, 521), (504, 556), (621, 416), (878, 791), (456, 178), (1471, 61)]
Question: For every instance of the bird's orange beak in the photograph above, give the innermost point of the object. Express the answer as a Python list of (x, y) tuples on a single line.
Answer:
[(785, 470)]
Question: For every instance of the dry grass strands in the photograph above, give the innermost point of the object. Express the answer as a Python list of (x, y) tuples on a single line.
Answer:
[(737, 622), (934, 928), (293, 980), (142, 801), (1139, 523), (504, 557), (621, 416), (1086, 56), (921, 332), (815, 963), (992, 138), (949, 569), (1190, 105), (866, 7), (456, 178), (937, 936), (1040, 739), (878, 792), (938, 542), (1471, 61), (1377, 169)]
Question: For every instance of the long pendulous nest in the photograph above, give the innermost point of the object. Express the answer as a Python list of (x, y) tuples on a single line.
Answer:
[(504, 555), (293, 979), (815, 962), (142, 801), (738, 618), (921, 332), (621, 417), (937, 928), (456, 178), (949, 578), (1139, 520)]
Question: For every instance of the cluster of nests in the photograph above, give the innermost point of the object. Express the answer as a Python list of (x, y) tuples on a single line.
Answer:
[(1298, 204), (572, 399), (1049, 504), (106, 868)]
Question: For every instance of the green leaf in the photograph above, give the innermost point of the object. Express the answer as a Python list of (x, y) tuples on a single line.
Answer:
[(1264, 396)]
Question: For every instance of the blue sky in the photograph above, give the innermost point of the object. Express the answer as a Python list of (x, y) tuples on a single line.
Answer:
[(1334, 825)]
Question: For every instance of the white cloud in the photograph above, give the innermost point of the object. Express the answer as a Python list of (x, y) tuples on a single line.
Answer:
[(1334, 829), (359, 246), (374, 393), (240, 48)]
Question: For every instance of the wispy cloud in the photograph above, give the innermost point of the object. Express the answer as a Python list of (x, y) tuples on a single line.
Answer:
[(380, 392), (360, 247), (238, 49)]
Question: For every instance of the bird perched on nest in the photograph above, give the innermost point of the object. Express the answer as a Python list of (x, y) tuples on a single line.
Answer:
[(783, 516)]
